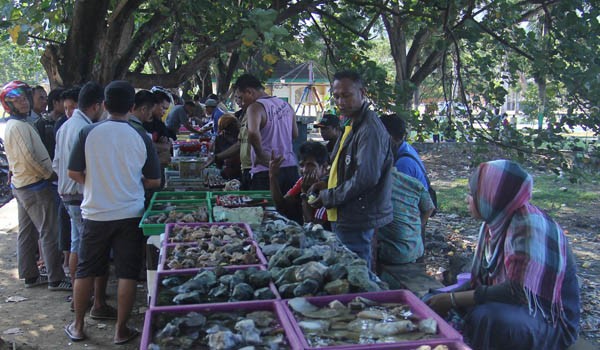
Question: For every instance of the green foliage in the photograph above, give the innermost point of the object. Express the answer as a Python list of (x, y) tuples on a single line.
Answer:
[(20, 63)]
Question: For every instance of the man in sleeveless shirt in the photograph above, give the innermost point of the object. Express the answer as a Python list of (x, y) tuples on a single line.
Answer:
[(271, 129)]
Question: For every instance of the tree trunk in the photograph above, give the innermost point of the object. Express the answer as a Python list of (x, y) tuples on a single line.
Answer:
[(225, 72), (205, 80)]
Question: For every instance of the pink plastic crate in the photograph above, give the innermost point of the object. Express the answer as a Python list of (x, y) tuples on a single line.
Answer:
[(161, 275), (274, 306), (169, 229), (420, 310), (164, 254)]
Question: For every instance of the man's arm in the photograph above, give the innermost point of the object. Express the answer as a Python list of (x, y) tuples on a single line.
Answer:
[(77, 176), (233, 150), (256, 114), (189, 127), (150, 183), (151, 168), (424, 217), (30, 147), (294, 127), (426, 207)]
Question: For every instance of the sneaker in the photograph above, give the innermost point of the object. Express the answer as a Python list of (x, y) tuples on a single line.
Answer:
[(60, 285), (36, 281)]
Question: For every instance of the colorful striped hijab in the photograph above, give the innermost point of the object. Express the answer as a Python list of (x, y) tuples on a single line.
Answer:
[(518, 242)]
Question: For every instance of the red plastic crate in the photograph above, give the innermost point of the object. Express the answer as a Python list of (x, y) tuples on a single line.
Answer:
[(420, 310), (274, 306), (161, 275), (164, 252), (169, 229)]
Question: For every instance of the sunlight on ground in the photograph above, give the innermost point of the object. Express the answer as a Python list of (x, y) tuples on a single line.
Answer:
[(48, 328)]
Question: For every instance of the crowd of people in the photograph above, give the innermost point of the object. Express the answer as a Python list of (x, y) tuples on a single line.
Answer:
[(84, 162)]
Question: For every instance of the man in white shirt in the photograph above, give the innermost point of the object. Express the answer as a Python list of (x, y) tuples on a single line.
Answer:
[(114, 175), (90, 110)]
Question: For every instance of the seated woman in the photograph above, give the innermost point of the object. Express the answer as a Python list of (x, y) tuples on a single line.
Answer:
[(524, 292), (229, 128), (313, 168)]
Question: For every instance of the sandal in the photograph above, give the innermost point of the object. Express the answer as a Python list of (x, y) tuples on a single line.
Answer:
[(106, 312), (72, 336), (133, 333)]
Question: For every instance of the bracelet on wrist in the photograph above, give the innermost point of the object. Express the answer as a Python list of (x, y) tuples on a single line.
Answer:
[(453, 300)]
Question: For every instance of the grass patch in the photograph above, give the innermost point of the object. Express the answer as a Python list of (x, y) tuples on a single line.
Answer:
[(546, 194), (451, 197)]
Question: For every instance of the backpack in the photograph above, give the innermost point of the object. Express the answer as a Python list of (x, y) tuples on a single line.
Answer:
[(431, 191)]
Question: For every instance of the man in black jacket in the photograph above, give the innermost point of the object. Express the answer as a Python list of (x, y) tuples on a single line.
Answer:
[(358, 193)]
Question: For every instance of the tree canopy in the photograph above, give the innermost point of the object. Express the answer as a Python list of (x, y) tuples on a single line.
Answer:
[(470, 51)]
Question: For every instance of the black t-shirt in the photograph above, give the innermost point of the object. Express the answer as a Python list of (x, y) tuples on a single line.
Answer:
[(45, 127), (158, 129)]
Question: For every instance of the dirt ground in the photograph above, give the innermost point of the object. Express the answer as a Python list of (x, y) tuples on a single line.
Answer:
[(38, 321)]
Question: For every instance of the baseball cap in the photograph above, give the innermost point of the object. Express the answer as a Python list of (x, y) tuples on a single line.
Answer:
[(328, 120), (211, 103)]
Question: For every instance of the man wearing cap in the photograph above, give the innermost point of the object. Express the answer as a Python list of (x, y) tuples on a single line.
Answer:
[(330, 130), (213, 112), (180, 115), (31, 170), (113, 203)]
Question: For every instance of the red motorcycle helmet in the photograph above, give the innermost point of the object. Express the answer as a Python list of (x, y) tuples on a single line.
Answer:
[(15, 88)]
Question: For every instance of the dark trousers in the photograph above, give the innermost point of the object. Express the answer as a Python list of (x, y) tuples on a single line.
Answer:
[(288, 176), (37, 219), (64, 228), (507, 326), (246, 180)]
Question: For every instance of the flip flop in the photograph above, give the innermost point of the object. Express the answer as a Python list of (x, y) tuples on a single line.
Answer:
[(71, 335), (133, 333), (106, 312)]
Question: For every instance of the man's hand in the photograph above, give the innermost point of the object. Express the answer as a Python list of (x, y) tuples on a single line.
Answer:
[(315, 190), (275, 164), (440, 303), (262, 159), (317, 187)]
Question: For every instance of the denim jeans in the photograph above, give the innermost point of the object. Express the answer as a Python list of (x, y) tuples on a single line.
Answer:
[(357, 241), (76, 227)]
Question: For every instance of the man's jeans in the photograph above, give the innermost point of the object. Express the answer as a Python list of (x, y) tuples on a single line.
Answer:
[(357, 241), (76, 226), (38, 220)]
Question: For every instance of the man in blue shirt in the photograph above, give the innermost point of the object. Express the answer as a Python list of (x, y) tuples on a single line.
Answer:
[(213, 112), (407, 160)]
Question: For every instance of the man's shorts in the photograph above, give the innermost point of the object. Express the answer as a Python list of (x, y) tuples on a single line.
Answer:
[(124, 237)]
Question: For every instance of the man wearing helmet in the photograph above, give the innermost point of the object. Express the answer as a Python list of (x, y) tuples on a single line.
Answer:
[(31, 170)]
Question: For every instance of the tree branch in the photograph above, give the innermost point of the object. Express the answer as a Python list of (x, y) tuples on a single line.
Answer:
[(176, 77), (123, 10), (503, 41), (45, 39), (142, 35), (344, 25)]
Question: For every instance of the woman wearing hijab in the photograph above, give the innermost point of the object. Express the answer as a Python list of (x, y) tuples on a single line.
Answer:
[(524, 292)]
